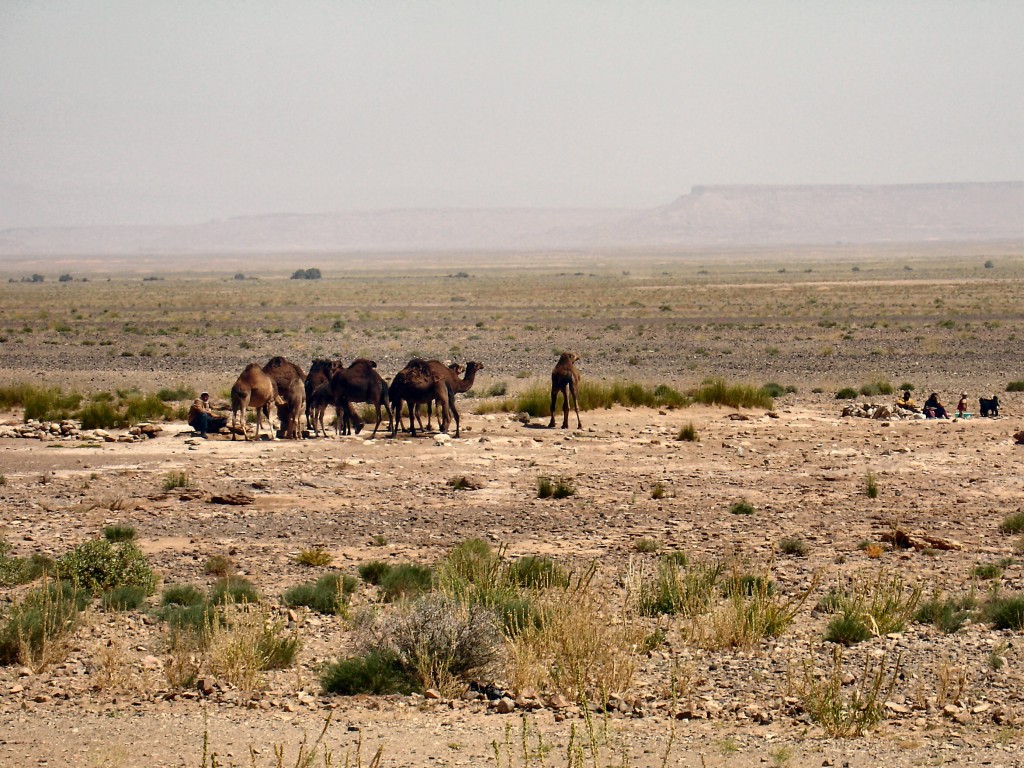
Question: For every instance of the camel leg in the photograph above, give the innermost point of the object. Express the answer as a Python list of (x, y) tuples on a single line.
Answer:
[(575, 404), (391, 416), (454, 410), (554, 401), (565, 407)]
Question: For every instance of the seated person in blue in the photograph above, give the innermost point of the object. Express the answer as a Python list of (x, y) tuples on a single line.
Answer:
[(933, 409)]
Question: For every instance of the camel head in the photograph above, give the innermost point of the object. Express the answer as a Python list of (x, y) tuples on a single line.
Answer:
[(568, 358)]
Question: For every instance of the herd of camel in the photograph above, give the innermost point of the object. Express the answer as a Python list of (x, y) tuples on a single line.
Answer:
[(330, 382)]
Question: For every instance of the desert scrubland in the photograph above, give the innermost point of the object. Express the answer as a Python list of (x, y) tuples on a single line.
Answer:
[(721, 583)]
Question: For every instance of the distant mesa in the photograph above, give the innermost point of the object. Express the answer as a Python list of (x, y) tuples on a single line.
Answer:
[(708, 215)]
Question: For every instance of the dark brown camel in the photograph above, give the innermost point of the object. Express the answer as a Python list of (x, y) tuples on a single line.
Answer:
[(450, 374), (565, 379), (284, 372), (319, 373), (359, 383), (252, 389), (417, 384), (316, 407)]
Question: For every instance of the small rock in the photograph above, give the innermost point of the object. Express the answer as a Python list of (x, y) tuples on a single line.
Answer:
[(432, 694), (505, 706)]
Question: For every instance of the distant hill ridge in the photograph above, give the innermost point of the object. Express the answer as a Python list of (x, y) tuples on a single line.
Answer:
[(708, 215)]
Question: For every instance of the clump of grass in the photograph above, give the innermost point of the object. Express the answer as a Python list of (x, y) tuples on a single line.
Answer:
[(119, 532), (560, 488), (773, 389), (646, 546), (19, 570), (97, 566), (174, 480), (182, 594), (233, 589), (38, 630), (405, 580), (373, 571), (462, 483), (244, 642), (314, 558), (219, 565), (719, 392), (987, 571), (678, 588), (688, 433), (874, 388), (124, 598), (1013, 523), (794, 547), (871, 485), (846, 393), (376, 672), (948, 614), (537, 572), (658, 491), (1015, 386), (176, 394), (1006, 612), (875, 605), (842, 714), (329, 594), (742, 508)]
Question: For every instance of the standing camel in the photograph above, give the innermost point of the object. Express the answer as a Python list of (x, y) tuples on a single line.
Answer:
[(252, 389), (359, 383), (450, 375), (284, 372), (565, 379), (417, 384), (320, 372)]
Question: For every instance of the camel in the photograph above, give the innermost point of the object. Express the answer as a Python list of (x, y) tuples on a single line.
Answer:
[(284, 372), (457, 370), (319, 373), (565, 379), (290, 414), (417, 384), (450, 375), (252, 389), (316, 407), (359, 383)]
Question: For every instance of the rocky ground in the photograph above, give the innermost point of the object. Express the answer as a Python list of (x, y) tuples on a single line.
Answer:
[(360, 499)]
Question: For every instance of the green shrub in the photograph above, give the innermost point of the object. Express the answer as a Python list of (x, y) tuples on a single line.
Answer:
[(374, 571), (37, 629), (1006, 612), (176, 394), (195, 620), (564, 488), (219, 565), (50, 404), (688, 433), (233, 589), (871, 485), (658, 491), (794, 547), (17, 570), (545, 488), (377, 673), (101, 415), (846, 393), (537, 572), (880, 604), (118, 532), (125, 598), (719, 392), (314, 558), (987, 571), (847, 629), (405, 580), (327, 595), (138, 408), (685, 589), (471, 561), (1013, 523), (1015, 386), (174, 480), (646, 546), (182, 594), (742, 508), (947, 614), (873, 388), (97, 566)]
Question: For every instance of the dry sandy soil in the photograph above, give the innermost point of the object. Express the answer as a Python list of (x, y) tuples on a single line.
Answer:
[(944, 323)]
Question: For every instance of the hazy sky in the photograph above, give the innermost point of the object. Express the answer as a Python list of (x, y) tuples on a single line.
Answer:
[(174, 112)]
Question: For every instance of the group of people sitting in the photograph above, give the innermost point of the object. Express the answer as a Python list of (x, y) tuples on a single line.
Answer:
[(933, 408)]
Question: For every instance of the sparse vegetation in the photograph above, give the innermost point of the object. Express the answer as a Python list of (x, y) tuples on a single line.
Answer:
[(794, 547), (314, 558), (118, 532), (1013, 524), (329, 594), (97, 566), (742, 508), (687, 433), (175, 480)]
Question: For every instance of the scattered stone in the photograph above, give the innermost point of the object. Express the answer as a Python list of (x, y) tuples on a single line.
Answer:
[(504, 706), (233, 499)]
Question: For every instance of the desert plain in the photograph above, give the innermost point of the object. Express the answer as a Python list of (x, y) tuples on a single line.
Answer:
[(944, 317)]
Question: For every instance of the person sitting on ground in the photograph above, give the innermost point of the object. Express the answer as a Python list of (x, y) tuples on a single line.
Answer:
[(933, 409), (961, 407), (202, 418), (907, 402)]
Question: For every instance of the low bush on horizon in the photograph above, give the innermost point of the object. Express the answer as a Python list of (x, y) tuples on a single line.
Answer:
[(101, 410)]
